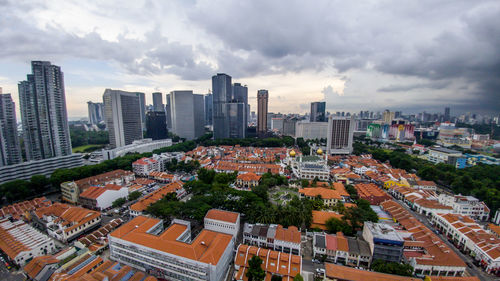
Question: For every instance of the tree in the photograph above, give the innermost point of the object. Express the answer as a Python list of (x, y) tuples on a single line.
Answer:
[(298, 277), (392, 268), (134, 195), (276, 278), (118, 202), (255, 271), (334, 225), (304, 183)]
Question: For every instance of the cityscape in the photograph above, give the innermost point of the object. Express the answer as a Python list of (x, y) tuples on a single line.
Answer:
[(382, 173)]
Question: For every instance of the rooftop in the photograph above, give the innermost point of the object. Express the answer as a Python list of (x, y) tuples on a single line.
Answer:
[(221, 215), (383, 231), (207, 247), (340, 272)]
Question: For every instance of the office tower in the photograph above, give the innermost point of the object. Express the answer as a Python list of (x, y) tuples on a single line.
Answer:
[(156, 126), (236, 115), (289, 126), (222, 94), (398, 114), (262, 101), (158, 102), (188, 114), (122, 113), (168, 112), (318, 111), (240, 95), (96, 114), (208, 108), (10, 151), (142, 103), (248, 115), (340, 135), (446, 114), (43, 112)]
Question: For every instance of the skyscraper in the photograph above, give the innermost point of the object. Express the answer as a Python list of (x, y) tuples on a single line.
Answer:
[(158, 102), (43, 112), (168, 112), (96, 114), (318, 111), (262, 100), (388, 116), (446, 114), (236, 115), (122, 113), (222, 94), (209, 103), (156, 126), (142, 103), (340, 135), (240, 95), (10, 151), (188, 114)]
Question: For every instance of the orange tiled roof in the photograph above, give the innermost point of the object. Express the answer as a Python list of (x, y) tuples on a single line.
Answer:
[(221, 215), (100, 179), (18, 209), (290, 234), (154, 196), (70, 217), (207, 247), (326, 193), (319, 218), (37, 264), (274, 262), (248, 177)]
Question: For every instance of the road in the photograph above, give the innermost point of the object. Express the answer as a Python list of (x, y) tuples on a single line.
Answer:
[(474, 270)]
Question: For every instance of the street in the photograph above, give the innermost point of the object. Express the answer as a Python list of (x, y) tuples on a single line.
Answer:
[(474, 270)]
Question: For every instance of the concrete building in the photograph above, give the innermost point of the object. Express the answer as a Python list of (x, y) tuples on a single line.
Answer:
[(289, 126), (466, 205), (273, 236), (137, 146), (236, 120), (222, 94), (158, 102), (223, 222), (96, 112), (311, 130), (187, 114), (274, 263), (156, 125), (170, 253), (102, 197), (71, 190), (277, 124), (310, 167), (10, 150), (342, 250), (123, 115), (262, 102), (65, 222), (44, 167), (318, 112), (209, 104), (21, 242), (340, 135), (44, 117), (247, 180), (168, 112), (385, 242)]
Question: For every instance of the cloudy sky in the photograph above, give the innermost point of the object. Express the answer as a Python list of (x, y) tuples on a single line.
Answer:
[(371, 55)]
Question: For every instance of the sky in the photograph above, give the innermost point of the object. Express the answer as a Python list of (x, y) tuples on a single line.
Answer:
[(412, 56)]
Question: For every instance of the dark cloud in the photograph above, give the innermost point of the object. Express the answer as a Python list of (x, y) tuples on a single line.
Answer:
[(403, 88)]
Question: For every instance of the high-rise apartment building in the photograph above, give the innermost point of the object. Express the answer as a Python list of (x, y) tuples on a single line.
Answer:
[(158, 102), (209, 103), (43, 112), (122, 113), (96, 112), (262, 101), (222, 94), (318, 111), (340, 135), (10, 151), (388, 116), (156, 126), (187, 114)]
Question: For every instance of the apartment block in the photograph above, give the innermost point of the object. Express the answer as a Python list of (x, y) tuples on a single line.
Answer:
[(170, 253), (466, 205)]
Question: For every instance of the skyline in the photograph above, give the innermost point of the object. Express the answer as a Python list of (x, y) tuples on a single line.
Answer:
[(407, 58)]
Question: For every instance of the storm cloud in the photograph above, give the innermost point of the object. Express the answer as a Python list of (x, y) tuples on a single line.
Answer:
[(442, 51)]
